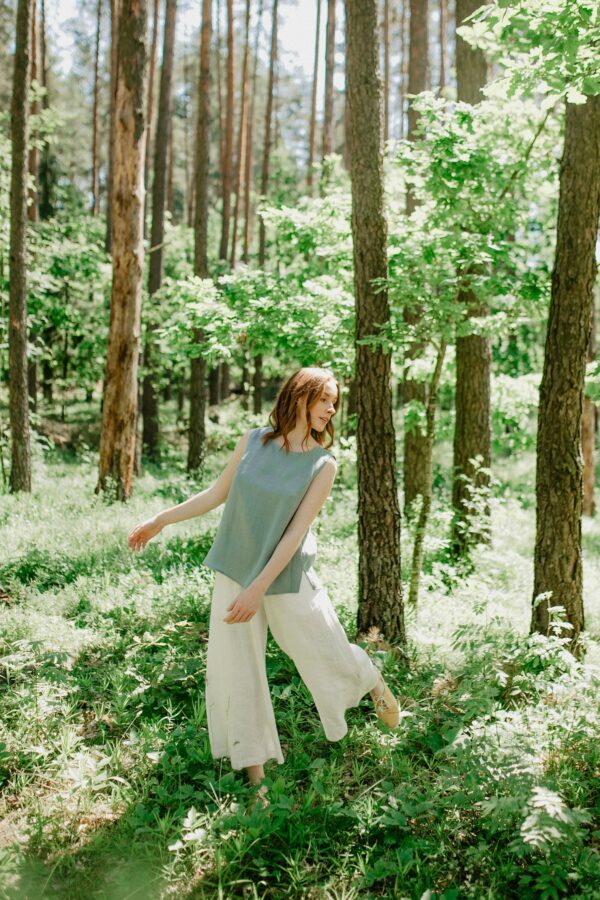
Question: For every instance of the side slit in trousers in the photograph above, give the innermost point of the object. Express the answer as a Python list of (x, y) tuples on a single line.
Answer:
[(241, 721)]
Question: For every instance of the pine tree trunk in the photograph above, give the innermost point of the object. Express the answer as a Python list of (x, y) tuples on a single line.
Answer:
[(557, 563), (221, 101), (214, 386), (119, 410), (151, 425), (150, 108), (312, 128), (197, 425), (415, 465), (20, 472), (96, 116), (403, 64), (264, 183), (46, 206), (34, 153), (225, 381), (386, 70), (588, 438), (115, 6), (329, 72), (472, 430), (227, 162), (250, 144), (442, 40), (257, 380), (380, 585), (242, 135)]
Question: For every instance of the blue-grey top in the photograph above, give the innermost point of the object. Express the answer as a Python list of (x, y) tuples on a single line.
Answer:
[(266, 491)]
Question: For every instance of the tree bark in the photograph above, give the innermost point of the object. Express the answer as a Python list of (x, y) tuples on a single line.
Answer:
[(588, 438), (227, 162), (46, 206), (557, 563), (196, 446), (264, 183), (312, 128), (442, 40), (151, 424), (250, 144), (415, 465), (386, 70), (20, 472), (96, 117), (380, 584), (472, 430), (119, 409), (403, 65)]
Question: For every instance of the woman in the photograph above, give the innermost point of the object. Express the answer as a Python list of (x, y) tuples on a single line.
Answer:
[(275, 483)]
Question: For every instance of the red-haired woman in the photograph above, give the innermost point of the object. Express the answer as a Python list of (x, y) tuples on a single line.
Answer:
[(275, 483)]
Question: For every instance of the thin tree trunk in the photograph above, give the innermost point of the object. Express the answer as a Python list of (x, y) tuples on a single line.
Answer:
[(257, 380), (312, 130), (221, 101), (588, 439), (557, 563), (250, 143), (242, 135), (415, 469), (264, 183), (472, 430), (380, 584), (114, 78), (45, 175), (34, 153), (329, 72), (442, 39), (214, 386), (196, 447), (151, 426), (119, 409), (20, 472), (227, 163), (150, 107), (225, 381), (421, 526), (96, 116), (403, 64)]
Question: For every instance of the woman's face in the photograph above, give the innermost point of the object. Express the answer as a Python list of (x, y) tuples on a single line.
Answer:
[(323, 408)]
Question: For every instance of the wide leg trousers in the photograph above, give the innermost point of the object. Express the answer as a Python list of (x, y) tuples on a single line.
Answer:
[(241, 721)]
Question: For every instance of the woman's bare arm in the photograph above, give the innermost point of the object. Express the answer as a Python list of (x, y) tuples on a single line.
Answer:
[(197, 505)]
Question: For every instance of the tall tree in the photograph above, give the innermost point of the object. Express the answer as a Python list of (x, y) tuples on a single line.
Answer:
[(20, 472), (312, 128), (150, 104), (380, 584), (403, 64), (228, 160), (329, 72), (264, 188), (119, 409), (45, 176), (250, 140), (443, 23), (198, 366), (472, 429), (415, 449), (150, 434), (386, 70), (557, 562), (242, 135), (115, 6), (96, 116), (34, 153)]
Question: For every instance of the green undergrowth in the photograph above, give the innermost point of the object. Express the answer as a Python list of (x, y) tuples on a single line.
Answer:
[(489, 788)]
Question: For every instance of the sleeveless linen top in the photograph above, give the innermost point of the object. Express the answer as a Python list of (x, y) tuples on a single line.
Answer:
[(266, 491)]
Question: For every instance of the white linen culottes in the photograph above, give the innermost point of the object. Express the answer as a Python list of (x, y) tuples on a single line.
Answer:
[(241, 721)]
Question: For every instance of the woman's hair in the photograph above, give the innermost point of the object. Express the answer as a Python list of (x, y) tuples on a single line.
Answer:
[(307, 381)]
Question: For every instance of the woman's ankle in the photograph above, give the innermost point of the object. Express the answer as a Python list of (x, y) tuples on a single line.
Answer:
[(255, 773)]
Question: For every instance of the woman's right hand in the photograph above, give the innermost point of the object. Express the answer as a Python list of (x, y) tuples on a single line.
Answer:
[(141, 534)]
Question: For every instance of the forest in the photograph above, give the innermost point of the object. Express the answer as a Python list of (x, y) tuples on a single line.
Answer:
[(198, 198)]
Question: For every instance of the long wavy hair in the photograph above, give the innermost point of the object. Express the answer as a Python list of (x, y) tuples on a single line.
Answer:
[(307, 381)]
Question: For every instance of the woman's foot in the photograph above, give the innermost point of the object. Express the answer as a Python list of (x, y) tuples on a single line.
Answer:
[(386, 705), (260, 798)]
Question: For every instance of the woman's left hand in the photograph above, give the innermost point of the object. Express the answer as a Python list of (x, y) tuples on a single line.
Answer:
[(244, 606)]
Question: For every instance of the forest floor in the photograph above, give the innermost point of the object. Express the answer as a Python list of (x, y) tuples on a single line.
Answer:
[(488, 788)]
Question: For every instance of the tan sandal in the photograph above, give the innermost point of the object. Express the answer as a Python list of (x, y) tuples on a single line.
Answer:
[(386, 705)]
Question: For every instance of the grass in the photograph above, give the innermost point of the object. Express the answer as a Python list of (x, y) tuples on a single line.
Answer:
[(489, 787)]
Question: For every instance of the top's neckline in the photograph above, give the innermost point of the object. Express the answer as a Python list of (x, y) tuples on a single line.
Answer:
[(297, 452)]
